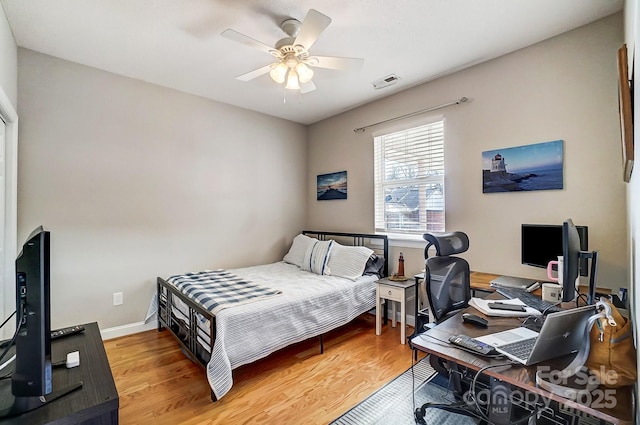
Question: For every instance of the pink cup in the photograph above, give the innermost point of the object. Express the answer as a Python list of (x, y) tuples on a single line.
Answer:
[(550, 276)]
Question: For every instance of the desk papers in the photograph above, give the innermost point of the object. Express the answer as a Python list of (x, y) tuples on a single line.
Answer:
[(482, 306)]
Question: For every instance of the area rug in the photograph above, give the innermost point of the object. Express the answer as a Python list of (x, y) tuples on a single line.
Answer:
[(394, 403)]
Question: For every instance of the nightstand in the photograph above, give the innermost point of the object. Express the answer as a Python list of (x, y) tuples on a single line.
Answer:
[(396, 292)]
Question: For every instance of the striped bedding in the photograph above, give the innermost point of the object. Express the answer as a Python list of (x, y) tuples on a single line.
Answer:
[(219, 289), (309, 305)]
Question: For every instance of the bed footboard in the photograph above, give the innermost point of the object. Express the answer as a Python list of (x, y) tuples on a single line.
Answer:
[(187, 323)]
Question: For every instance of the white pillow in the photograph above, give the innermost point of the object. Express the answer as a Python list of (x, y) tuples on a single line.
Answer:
[(316, 258), (298, 248), (348, 261)]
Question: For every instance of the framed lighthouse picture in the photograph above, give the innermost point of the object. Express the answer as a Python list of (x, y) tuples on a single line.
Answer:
[(523, 168)]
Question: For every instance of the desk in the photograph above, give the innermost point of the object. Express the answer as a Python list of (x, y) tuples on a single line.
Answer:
[(435, 341), (479, 281), (96, 403)]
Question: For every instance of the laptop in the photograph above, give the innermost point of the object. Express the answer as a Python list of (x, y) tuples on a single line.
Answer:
[(512, 282), (562, 333)]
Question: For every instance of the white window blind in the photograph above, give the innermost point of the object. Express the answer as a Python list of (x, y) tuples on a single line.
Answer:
[(409, 180)]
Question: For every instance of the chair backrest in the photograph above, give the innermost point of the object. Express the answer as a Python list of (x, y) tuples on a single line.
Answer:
[(447, 278), (446, 243)]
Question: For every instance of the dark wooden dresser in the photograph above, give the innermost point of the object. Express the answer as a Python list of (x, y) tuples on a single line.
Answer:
[(96, 403)]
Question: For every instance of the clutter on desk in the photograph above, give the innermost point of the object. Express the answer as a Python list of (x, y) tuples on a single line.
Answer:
[(483, 306), (612, 354), (608, 353), (472, 344), (533, 323), (475, 320)]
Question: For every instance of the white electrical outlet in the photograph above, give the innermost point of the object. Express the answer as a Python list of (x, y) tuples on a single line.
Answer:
[(117, 298)]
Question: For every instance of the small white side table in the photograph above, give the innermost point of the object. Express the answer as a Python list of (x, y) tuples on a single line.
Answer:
[(396, 292)]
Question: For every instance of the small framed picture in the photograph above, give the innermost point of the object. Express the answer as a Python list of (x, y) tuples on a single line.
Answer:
[(332, 186)]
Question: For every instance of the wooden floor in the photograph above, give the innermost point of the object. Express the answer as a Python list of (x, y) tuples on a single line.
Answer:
[(158, 385)]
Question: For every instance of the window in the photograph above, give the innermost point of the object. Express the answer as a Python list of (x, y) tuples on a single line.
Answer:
[(409, 180)]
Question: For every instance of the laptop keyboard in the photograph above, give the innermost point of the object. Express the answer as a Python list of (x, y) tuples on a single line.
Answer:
[(529, 299), (520, 349)]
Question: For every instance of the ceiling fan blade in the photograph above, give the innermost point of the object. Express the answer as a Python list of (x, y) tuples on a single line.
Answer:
[(333, 62), (254, 74), (312, 26), (307, 87), (246, 40)]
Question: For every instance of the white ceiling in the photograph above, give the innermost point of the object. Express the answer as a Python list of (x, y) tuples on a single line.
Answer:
[(177, 43)]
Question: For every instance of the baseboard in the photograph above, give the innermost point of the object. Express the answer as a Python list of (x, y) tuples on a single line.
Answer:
[(132, 328), (411, 320)]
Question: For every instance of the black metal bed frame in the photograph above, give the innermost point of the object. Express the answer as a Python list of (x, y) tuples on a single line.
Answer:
[(186, 331)]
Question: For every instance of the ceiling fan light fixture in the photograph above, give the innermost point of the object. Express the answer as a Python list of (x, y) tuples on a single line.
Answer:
[(305, 74), (293, 61), (278, 73), (292, 80)]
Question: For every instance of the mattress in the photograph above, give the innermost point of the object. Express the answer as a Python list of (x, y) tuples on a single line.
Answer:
[(310, 305)]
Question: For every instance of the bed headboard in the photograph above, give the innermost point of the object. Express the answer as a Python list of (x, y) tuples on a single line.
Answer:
[(378, 243)]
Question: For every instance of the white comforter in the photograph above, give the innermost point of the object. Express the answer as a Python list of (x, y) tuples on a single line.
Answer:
[(310, 305)]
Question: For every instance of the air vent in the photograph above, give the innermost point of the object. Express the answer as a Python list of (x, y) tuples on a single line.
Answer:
[(386, 81)]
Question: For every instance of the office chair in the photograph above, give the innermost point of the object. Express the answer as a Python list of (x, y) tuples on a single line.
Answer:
[(448, 289), (446, 277)]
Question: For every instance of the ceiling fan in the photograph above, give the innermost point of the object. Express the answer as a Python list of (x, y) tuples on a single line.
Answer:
[(293, 61)]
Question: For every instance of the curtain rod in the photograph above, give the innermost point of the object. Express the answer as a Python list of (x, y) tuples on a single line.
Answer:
[(433, 108)]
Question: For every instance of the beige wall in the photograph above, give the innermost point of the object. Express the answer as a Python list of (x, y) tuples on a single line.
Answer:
[(137, 181), (8, 106), (8, 60), (563, 88)]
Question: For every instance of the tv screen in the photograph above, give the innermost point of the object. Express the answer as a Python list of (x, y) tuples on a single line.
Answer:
[(542, 243)]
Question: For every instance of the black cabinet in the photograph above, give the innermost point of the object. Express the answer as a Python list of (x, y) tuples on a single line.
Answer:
[(95, 403)]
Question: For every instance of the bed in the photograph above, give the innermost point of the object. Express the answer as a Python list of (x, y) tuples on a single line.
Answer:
[(326, 280)]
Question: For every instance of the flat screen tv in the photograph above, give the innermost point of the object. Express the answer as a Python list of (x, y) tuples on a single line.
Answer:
[(31, 380), (541, 243), (32, 375)]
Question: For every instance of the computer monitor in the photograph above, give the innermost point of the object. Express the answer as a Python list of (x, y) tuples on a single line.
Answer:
[(573, 255), (541, 243)]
